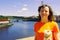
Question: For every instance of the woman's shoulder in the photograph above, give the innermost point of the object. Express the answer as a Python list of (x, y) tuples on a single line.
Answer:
[(37, 22), (53, 22)]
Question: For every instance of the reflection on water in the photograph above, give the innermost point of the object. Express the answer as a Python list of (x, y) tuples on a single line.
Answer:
[(18, 30)]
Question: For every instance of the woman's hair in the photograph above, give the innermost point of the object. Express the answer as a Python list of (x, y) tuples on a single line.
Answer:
[(50, 17)]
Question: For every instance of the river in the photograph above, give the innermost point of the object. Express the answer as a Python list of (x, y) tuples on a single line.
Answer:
[(19, 29)]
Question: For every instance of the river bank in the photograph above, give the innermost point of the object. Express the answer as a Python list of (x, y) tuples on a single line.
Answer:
[(5, 24), (33, 37)]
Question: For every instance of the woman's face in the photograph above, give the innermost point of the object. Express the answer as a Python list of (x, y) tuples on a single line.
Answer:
[(44, 12)]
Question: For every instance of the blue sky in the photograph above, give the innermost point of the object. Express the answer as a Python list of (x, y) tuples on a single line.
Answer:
[(26, 7)]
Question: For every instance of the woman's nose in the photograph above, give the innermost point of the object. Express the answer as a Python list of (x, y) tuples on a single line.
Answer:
[(44, 12)]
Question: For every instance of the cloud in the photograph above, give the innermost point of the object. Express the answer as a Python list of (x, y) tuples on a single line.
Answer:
[(24, 9)]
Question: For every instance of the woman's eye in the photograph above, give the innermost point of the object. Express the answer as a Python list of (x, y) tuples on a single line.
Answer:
[(42, 11), (45, 11)]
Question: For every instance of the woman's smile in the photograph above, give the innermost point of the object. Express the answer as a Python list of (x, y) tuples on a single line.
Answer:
[(44, 12)]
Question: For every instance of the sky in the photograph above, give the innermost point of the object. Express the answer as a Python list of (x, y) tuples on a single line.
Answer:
[(26, 7)]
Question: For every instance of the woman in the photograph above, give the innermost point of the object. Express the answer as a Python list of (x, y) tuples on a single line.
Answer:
[(45, 22)]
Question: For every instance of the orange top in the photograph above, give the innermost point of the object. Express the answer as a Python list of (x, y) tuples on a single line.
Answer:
[(39, 28)]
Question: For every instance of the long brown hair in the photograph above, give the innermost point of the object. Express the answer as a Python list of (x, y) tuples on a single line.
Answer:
[(50, 17)]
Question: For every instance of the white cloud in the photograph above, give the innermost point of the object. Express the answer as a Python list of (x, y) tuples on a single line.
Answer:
[(24, 9)]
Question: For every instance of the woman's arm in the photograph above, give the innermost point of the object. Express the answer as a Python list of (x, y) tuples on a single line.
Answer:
[(55, 36), (35, 37), (55, 30)]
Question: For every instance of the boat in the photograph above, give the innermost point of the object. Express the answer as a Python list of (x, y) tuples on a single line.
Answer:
[(4, 23)]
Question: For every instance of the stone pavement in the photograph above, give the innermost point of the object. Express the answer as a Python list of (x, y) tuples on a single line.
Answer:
[(28, 38)]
